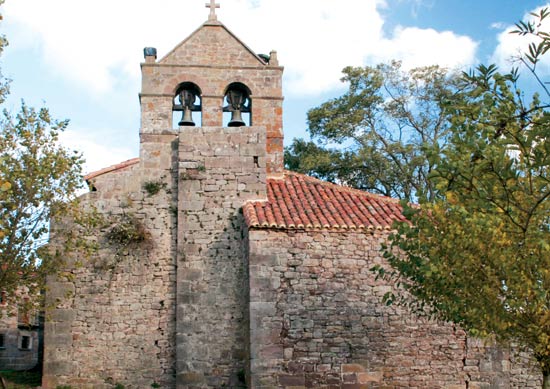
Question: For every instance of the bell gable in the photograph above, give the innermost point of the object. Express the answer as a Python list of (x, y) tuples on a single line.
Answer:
[(214, 80), (218, 47)]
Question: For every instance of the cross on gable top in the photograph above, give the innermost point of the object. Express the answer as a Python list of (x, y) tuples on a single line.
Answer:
[(212, 5)]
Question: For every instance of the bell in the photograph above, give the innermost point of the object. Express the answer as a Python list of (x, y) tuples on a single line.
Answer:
[(236, 99), (187, 99), (187, 118), (236, 119)]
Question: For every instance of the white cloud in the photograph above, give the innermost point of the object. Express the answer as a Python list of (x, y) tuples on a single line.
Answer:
[(423, 47), (97, 153), (90, 41), (498, 25), (315, 39), (417, 5), (93, 43), (511, 46)]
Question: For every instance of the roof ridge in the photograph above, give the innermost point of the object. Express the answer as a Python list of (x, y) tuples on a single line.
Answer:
[(337, 186)]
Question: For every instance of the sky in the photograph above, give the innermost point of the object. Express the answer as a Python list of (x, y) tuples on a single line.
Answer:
[(81, 59)]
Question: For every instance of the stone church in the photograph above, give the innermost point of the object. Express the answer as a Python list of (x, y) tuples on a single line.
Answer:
[(219, 269)]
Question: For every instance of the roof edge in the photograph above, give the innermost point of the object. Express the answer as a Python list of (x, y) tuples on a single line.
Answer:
[(297, 202), (332, 184), (112, 168)]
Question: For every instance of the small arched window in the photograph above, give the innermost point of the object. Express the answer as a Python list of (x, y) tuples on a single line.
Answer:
[(187, 100), (238, 106)]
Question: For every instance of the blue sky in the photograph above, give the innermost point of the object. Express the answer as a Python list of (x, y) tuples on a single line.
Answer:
[(81, 59)]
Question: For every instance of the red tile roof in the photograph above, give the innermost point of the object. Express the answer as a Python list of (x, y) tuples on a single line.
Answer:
[(297, 201), (112, 168)]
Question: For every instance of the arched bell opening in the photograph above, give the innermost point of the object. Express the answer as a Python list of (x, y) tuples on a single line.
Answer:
[(187, 101), (237, 110)]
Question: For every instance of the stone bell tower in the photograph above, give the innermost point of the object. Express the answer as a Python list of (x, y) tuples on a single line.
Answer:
[(211, 62), (216, 167)]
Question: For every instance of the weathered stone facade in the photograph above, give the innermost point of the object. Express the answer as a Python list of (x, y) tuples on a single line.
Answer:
[(217, 174), (20, 337), (114, 318), (207, 299), (212, 58), (317, 321)]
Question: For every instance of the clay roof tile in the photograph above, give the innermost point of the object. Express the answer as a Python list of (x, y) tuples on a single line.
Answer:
[(297, 201)]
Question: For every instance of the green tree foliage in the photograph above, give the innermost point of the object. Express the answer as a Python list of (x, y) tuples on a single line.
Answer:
[(39, 180), (375, 136), (477, 252)]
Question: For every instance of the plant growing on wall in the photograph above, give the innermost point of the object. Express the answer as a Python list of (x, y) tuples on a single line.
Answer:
[(127, 230), (153, 187)]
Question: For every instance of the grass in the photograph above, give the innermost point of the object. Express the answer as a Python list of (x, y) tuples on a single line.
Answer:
[(21, 379)]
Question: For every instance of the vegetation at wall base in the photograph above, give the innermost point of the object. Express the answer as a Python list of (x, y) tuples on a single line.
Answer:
[(22, 379)]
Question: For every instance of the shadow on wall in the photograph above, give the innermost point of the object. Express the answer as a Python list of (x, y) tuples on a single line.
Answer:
[(215, 308)]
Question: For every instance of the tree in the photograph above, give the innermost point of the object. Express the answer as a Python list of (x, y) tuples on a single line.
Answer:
[(379, 130), (39, 180), (477, 252)]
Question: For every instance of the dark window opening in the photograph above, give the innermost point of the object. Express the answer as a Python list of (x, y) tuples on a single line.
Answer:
[(2, 341), (25, 342)]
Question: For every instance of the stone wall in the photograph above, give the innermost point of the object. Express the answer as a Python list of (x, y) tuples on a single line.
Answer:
[(12, 355), (317, 321), (219, 169), (112, 319)]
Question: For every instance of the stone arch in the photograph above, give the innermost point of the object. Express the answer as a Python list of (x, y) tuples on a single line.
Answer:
[(185, 97), (237, 100), (237, 84)]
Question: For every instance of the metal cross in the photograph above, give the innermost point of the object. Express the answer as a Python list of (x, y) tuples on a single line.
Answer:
[(212, 5)]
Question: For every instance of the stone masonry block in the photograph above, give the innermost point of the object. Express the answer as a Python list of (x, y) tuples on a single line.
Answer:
[(189, 165), (62, 315), (60, 290), (59, 367)]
